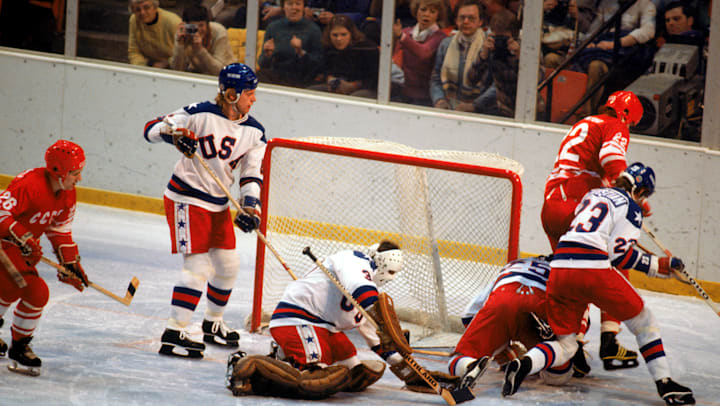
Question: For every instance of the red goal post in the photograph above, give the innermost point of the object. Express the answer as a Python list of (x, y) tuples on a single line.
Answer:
[(455, 214)]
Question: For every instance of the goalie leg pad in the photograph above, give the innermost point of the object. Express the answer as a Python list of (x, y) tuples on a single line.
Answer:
[(364, 374), (263, 375)]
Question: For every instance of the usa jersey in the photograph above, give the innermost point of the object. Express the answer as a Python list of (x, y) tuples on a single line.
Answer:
[(595, 145), (30, 200), (606, 226), (531, 272), (315, 300), (223, 144)]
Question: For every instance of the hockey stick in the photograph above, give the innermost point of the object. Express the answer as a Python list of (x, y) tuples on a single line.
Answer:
[(235, 203), (684, 274), (132, 286), (451, 398)]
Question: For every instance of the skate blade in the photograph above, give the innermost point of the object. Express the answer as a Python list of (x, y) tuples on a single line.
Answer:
[(22, 370), (215, 340), (482, 366), (168, 349), (614, 363)]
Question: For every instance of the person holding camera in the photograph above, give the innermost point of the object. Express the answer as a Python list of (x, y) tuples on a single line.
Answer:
[(201, 45), (499, 56), (350, 60)]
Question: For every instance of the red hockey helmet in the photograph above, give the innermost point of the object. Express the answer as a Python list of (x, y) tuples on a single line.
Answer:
[(64, 156), (626, 105)]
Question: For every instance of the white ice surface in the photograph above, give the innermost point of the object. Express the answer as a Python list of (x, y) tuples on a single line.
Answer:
[(96, 351)]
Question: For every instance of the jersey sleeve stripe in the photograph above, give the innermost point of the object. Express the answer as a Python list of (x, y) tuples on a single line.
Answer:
[(150, 124), (365, 295)]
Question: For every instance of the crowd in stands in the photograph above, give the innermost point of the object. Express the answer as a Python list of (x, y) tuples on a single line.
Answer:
[(460, 55)]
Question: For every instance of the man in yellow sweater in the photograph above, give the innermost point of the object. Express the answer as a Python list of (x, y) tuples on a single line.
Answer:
[(152, 34)]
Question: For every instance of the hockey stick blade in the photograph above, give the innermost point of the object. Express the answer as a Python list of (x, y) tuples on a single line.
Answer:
[(132, 286)]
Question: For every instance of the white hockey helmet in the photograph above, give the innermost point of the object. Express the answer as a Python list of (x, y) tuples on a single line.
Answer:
[(388, 259)]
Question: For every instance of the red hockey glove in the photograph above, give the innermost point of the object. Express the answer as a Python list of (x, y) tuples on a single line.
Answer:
[(645, 206), (75, 276), (29, 245), (185, 141), (666, 266)]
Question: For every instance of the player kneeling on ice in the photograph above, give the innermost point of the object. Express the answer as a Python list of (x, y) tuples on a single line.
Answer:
[(308, 324), (507, 317), (38, 201), (607, 223), (226, 137)]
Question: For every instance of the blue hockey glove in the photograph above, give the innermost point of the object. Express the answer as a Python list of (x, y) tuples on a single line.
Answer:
[(249, 219), (185, 141)]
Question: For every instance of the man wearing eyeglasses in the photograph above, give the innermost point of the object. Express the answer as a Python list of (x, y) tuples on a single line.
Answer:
[(152, 34), (450, 87)]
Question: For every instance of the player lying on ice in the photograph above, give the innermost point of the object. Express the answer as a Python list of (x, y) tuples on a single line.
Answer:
[(602, 235), (316, 358), (38, 201), (506, 318)]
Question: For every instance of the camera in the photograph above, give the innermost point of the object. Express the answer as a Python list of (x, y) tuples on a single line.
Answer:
[(501, 42), (316, 11), (191, 29)]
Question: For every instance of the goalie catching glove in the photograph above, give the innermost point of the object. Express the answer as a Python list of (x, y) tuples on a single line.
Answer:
[(266, 376), (249, 218), (70, 259)]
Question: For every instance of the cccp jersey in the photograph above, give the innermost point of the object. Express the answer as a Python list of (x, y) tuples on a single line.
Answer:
[(30, 201), (224, 145), (315, 300), (606, 226), (595, 145)]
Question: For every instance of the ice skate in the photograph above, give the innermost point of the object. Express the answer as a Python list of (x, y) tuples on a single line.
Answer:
[(614, 355), (673, 393), (218, 333), (3, 344), (474, 371), (172, 339), (580, 365), (516, 371), (23, 359)]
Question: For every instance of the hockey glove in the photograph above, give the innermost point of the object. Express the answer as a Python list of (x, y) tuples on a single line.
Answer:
[(75, 276), (29, 245), (645, 206), (185, 141), (666, 266), (249, 219)]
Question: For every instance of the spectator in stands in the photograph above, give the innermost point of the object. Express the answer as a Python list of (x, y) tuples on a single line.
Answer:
[(679, 20), (450, 86), (322, 11), (415, 49), (269, 12), (292, 51), (350, 60), (637, 28), (201, 45), (151, 34), (500, 57), (563, 23)]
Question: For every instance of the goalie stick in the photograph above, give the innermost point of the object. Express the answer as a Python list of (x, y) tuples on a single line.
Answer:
[(235, 203), (451, 398), (684, 274), (129, 295)]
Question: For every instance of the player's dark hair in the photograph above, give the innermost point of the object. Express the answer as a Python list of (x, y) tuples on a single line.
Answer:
[(623, 183), (386, 245), (604, 109)]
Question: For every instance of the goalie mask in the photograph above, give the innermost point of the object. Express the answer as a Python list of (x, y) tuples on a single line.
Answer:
[(387, 264)]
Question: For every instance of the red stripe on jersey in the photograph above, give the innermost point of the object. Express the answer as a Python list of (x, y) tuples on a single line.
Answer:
[(366, 295), (150, 124), (176, 185), (580, 250)]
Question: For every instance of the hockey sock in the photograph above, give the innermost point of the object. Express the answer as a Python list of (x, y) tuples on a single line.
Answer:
[(27, 318), (647, 334)]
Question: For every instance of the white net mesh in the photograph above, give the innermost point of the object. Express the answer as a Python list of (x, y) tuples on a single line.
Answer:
[(453, 226)]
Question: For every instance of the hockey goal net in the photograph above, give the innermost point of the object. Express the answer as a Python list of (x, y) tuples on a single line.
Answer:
[(456, 215)]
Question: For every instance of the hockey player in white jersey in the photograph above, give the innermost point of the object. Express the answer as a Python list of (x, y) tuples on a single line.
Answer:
[(309, 320), (602, 235), (201, 226)]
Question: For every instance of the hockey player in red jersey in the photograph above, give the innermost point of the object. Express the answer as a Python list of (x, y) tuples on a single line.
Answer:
[(201, 227), (592, 155), (38, 201), (602, 237)]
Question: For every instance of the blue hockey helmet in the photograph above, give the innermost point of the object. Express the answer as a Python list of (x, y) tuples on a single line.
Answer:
[(641, 177), (237, 76)]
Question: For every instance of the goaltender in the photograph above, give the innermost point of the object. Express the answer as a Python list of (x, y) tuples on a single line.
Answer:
[(316, 358)]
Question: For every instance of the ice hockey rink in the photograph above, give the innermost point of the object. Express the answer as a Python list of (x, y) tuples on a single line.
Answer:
[(96, 351)]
